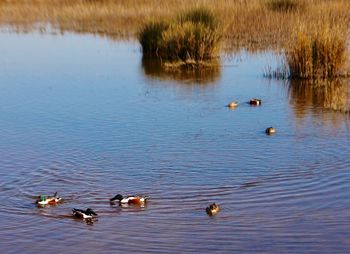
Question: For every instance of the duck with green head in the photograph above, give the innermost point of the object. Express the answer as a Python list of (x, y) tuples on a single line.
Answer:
[(43, 200)]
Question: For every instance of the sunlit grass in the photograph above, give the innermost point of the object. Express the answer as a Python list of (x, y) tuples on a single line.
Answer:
[(252, 24), (286, 5), (191, 38), (321, 54)]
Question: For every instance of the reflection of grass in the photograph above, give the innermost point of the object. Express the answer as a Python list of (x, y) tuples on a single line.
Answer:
[(191, 38), (327, 94), (155, 69), (251, 24)]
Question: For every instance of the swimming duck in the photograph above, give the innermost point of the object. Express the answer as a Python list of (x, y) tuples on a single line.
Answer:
[(47, 200), (270, 131), (232, 104), (212, 209), (87, 214), (129, 200), (255, 102)]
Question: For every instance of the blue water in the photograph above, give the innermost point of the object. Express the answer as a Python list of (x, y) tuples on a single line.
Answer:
[(86, 117)]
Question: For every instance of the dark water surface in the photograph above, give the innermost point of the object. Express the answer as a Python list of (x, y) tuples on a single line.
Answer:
[(88, 118)]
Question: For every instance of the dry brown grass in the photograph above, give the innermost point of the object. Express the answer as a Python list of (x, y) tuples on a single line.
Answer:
[(193, 37), (320, 54), (251, 24)]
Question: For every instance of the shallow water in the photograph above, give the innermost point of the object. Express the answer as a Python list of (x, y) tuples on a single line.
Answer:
[(88, 118)]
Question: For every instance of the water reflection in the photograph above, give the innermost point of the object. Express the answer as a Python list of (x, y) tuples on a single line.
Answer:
[(154, 69), (88, 125), (325, 94)]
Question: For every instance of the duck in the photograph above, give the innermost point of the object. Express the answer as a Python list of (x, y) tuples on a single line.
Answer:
[(270, 130), (255, 102), (212, 209), (232, 104), (129, 200), (87, 214), (48, 200)]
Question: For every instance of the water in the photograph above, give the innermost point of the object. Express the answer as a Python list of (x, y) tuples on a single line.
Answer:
[(88, 118)]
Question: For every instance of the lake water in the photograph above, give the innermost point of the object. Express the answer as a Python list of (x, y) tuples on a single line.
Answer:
[(86, 117)]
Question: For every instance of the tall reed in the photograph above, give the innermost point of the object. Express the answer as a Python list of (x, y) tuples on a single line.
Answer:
[(319, 54)]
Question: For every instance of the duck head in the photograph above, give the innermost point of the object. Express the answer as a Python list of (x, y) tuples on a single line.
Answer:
[(213, 206), (117, 197), (39, 199), (89, 211)]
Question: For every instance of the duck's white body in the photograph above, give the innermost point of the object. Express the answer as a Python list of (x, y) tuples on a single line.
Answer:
[(81, 215), (232, 104), (49, 201), (88, 214), (131, 200)]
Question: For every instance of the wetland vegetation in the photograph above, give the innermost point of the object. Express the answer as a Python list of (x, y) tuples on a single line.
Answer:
[(253, 24), (192, 39), (84, 115), (313, 34)]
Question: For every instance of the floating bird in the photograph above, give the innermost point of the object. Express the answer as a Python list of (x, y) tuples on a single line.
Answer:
[(255, 102), (87, 214), (47, 200), (212, 209), (232, 104), (129, 200), (270, 131)]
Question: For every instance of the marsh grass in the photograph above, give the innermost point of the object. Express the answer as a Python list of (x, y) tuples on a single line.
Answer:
[(251, 25), (150, 37), (321, 54), (190, 39), (199, 15), (281, 72), (314, 54), (286, 5)]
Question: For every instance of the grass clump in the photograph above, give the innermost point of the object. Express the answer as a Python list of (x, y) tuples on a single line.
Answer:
[(189, 41), (150, 37), (321, 54), (191, 38), (285, 5)]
